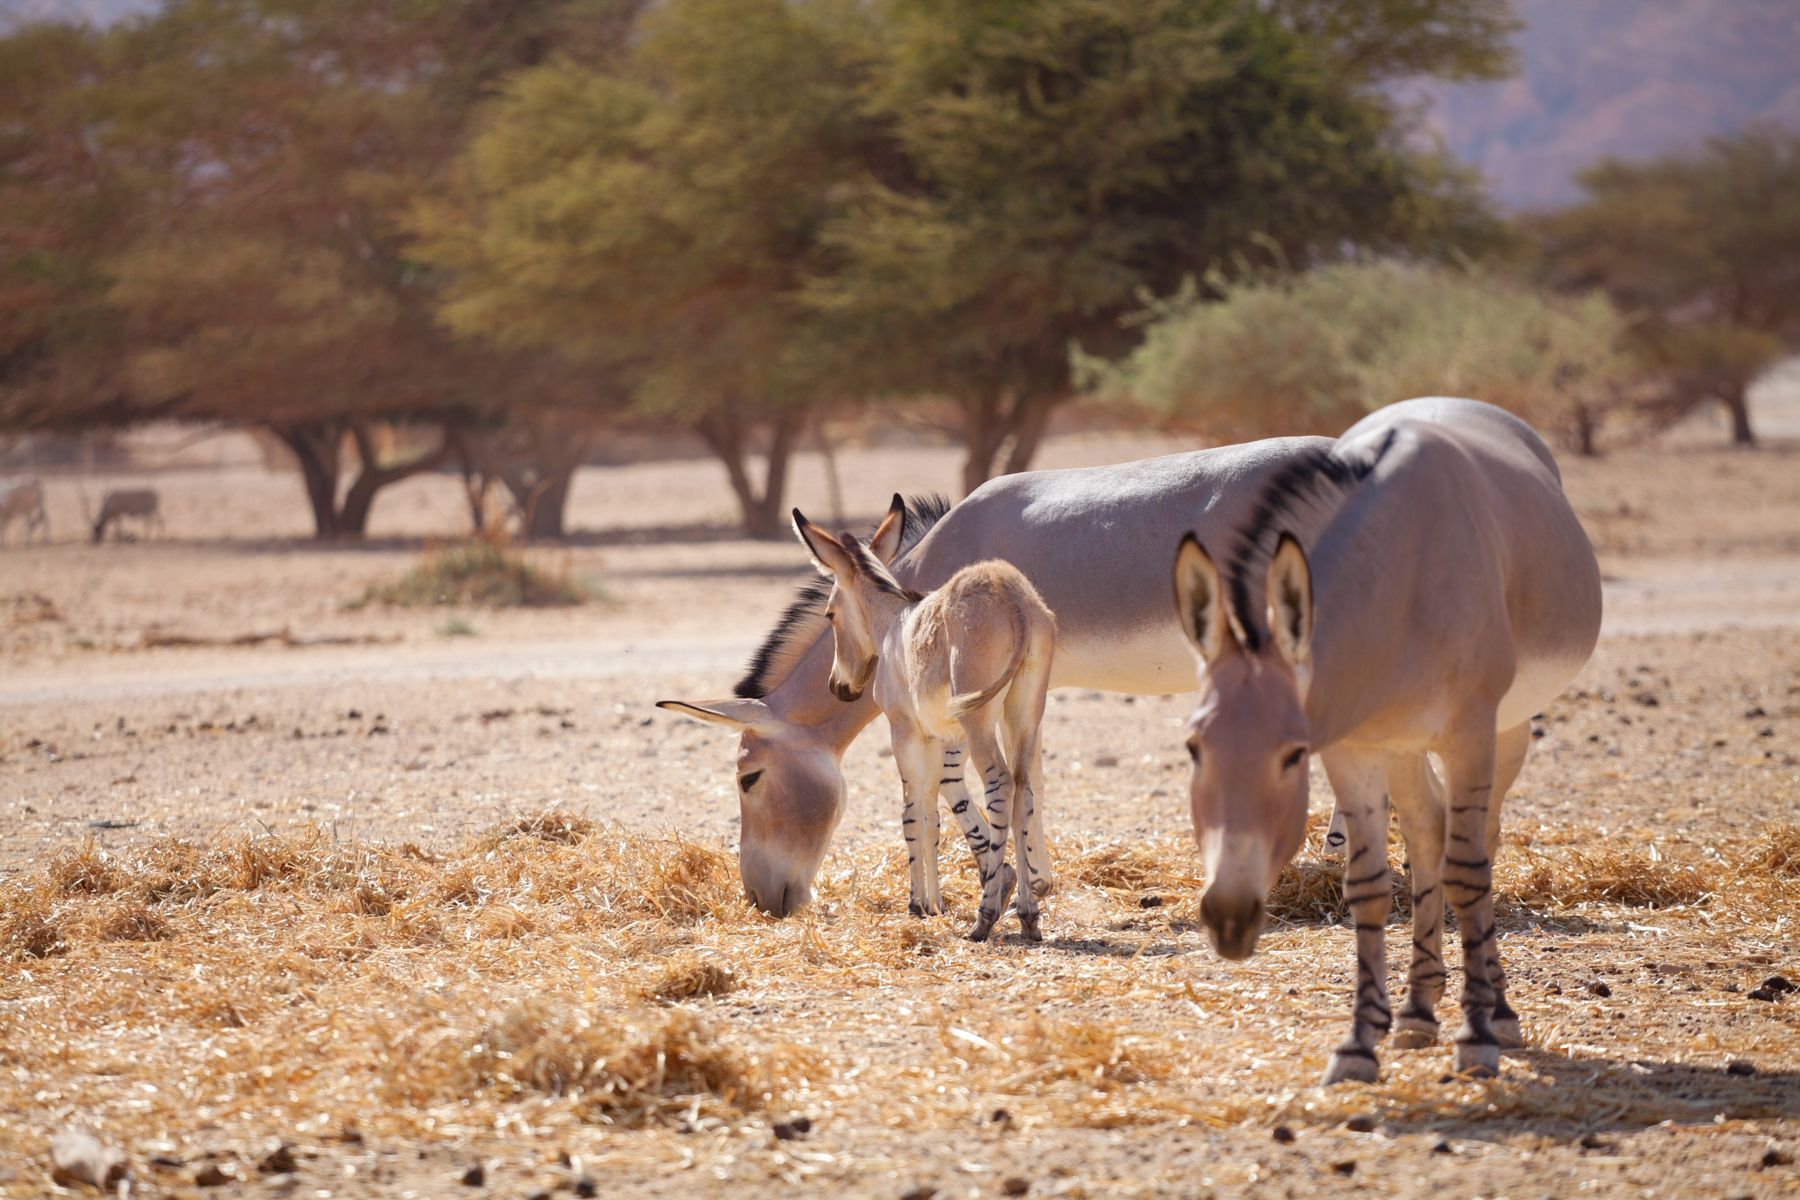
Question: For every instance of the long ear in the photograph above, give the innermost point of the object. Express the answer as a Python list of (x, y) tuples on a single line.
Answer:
[(737, 713), (884, 543), (1289, 591), (827, 554), (1200, 603)]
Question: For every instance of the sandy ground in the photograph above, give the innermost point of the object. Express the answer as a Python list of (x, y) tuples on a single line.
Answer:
[(1679, 739)]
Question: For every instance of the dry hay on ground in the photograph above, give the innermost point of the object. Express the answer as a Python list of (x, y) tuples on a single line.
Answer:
[(610, 994)]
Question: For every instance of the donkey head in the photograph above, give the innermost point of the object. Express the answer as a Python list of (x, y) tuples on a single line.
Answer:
[(863, 595), (790, 796), (1247, 737)]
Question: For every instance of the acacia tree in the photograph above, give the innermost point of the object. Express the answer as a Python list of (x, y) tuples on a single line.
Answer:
[(1705, 249), (273, 286), (648, 218), (1053, 161)]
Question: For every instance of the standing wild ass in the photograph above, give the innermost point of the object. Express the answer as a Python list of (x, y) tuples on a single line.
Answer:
[(969, 663), (23, 498), (143, 504), (1093, 541), (1422, 587)]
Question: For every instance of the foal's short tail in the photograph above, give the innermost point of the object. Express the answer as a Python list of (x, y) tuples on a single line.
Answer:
[(961, 706)]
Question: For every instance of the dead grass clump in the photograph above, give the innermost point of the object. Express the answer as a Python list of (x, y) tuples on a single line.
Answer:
[(132, 921), (86, 871), (677, 880), (1159, 865), (629, 1067), (554, 825), (480, 573), (689, 977), (1778, 853), (29, 926), (1098, 1056), (1611, 875)]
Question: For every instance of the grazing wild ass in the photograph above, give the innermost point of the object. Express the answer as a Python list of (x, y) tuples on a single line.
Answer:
[(1422, 587), (141, 503), (969, 663), (23, 498), (1095, 544)]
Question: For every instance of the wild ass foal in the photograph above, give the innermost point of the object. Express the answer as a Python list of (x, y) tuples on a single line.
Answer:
[(969, 663), (1422, 587)]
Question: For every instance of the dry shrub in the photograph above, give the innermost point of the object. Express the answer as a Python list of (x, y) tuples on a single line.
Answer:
[(628, 1067), (676, 879), (481, 572), (86, 871), (1567, 877), (1778, 853), (689, 977), (1160, 864), (132, 921)]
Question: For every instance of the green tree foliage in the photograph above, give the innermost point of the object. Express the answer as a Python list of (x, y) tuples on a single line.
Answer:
[(650, 219), (1055, 160), (1316, 352), (1705, 248)]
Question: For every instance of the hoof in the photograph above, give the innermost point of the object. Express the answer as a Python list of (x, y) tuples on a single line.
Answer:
[(1506, 1032), (1351, 1064), (984, 925), (1030, 929), (1410, 1033), (921, 910), (1479, 1059)]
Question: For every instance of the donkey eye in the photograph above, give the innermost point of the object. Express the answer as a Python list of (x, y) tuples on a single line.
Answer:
[(1293, 758), (748, 781)]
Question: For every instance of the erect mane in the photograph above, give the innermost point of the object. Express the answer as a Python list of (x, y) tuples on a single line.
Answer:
[(803, 621), (1315, 484)]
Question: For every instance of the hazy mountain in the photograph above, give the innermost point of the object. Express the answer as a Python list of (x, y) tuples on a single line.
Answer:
[(1621, 78)]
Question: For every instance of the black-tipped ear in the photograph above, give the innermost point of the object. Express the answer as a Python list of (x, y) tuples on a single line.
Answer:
[(827, 555), (885, 542), (1200, 602), (737, 712), (1290, 600)]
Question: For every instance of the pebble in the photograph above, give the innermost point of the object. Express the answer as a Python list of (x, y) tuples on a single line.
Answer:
[(1442, 1146), (1774, 1156), (213, 1175), (1738, 1066), (1014, 1185), (1600, 988), (78, 1155), (1283, 1134), (475, 1176), (1360, 1123), (1347, 1167), (279, 1161)]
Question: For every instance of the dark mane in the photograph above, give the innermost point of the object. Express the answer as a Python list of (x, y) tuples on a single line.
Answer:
[(1318, 480), (804, 617)]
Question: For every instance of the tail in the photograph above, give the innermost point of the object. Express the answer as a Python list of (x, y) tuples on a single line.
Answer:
[(961, 706)]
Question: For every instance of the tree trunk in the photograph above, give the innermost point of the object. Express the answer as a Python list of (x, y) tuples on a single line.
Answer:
[(834, 482), (316, 448), (1737, 403), (761, 508), (371, 477), (1014, 424)]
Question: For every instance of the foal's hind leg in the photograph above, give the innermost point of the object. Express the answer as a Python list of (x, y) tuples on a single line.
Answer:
[(1417, 802), (1024, 723), (971, 816), (1509, 758), (997, 790)]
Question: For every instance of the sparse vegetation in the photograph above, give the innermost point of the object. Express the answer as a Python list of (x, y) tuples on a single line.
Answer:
[(482, 572)]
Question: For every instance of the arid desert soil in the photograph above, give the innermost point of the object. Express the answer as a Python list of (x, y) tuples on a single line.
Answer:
[(1645, 892)]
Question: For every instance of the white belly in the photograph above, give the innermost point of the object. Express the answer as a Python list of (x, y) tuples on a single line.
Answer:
[(1154, 662)]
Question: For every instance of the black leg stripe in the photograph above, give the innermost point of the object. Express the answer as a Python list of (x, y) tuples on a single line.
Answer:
[(1369, 878)]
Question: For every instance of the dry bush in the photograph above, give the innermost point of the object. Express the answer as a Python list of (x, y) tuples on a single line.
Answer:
[(87, 870), (689, 977), (556, 825), (29, 925), (132, 921), (1153, 865)]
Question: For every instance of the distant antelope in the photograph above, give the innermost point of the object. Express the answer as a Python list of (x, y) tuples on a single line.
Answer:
[(969, 663), (141, 503), (1419, 588), (23, 498)]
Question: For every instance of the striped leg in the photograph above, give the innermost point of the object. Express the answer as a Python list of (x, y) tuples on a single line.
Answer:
[(1024, 724), (1418, 803), (1509, 758), (970, 816), (1469, 887), (997, 793), (917, 757), (1359, 781)]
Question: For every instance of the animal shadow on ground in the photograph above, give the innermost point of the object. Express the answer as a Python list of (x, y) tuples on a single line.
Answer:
[(1580, 1097)]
